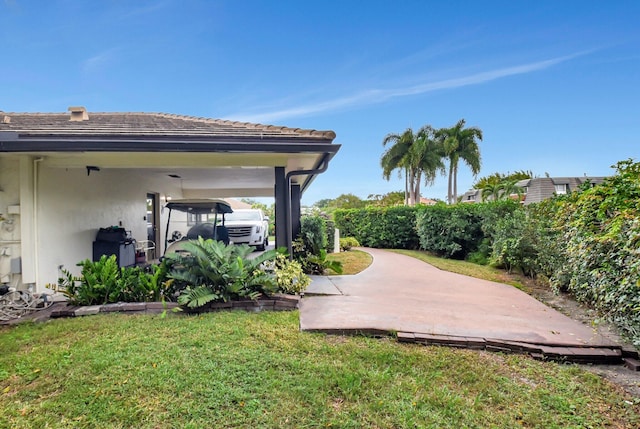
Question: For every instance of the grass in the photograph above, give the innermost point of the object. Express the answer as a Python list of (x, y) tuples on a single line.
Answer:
[(236, 369), (470, 269), (353, 261)]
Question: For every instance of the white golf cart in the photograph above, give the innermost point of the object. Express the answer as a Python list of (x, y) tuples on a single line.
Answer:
[(206, 217)]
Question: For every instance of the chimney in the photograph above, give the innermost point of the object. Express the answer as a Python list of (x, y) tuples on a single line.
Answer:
[(78, 114)]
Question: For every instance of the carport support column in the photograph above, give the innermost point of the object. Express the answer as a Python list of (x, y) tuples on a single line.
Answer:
[(296, 195), (281, 197)]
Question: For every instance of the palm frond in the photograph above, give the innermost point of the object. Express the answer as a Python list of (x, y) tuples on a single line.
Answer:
[(197, 297)]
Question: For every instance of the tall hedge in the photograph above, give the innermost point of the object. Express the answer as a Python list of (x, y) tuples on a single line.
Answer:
[(457, 231), (586, 243), (380, 227)]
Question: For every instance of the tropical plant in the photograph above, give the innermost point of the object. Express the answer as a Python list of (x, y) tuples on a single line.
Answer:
[(289, 275), (459, 143), (313, 261), (418, 155), (346, 243), (501, 191), (103, 282), (499, 177), (209, 271), (491, 191)]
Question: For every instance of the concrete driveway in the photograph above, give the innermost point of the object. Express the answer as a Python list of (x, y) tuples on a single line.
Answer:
[(400, 294)]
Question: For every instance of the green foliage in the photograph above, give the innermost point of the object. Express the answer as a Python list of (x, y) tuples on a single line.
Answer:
[(599, 237), (587, 243), (314, 263), (346, 243), (389, 199), (313, 233), (289, 275), (330, 227), (419, 155), (496, 178), (309, 249), (212, 271), (380, 227), (457, 231), (103, 282)]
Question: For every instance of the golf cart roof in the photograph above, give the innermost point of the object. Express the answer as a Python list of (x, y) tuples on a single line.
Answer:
[(200, 206)]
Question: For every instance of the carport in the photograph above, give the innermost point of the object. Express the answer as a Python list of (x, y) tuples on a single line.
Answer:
[(63, 175)]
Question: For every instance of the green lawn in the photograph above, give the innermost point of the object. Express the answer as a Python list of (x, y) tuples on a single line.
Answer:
[(236, 369), (353, 261), (466, 268)]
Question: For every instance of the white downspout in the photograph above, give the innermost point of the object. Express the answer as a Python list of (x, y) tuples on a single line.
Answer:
[(36, 237)]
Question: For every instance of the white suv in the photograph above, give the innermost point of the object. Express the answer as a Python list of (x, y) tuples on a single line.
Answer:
[(248, 226)]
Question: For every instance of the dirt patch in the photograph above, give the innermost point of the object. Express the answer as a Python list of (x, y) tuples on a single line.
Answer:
[(625, 378)]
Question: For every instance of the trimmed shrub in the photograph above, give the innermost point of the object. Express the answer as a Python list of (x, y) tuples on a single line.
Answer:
[(380, 227), (347, 243)]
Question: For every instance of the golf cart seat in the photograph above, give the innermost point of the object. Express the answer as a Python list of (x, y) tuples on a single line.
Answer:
[(206, 231)]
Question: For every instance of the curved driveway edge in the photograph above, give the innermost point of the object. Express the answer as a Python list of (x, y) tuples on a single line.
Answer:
[(401, 294)]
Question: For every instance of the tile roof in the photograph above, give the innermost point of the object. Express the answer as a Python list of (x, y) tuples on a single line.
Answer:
[(149, 125)]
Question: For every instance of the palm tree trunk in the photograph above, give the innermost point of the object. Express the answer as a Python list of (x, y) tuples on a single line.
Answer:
[(450, 187), (412, 179), (406, 187), (455, 183)]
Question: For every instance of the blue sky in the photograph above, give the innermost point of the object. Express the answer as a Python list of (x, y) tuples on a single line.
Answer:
[(554, 85)]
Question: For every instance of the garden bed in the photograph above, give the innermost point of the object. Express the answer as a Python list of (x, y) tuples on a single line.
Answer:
[(278, 302)]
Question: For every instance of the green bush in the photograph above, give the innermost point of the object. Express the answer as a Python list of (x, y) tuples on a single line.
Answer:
[(210, 271), (103, 282), (461, 231), (380, 227), (600, 237), (313, 232), (346, 243), (289, 275), (586, 243), (330, 227)]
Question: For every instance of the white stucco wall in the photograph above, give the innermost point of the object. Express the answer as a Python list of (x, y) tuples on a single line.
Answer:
[(73, 206)]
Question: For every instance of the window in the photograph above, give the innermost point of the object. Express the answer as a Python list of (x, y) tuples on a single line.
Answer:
[(562, 189)]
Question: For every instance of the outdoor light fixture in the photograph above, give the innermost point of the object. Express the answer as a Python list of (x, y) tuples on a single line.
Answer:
[(91, 168)]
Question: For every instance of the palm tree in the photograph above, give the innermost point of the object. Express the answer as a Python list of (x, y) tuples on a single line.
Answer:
[(460, 143), (427, 155), (417, 154), (395, 158), (491, 191), (510, 187)]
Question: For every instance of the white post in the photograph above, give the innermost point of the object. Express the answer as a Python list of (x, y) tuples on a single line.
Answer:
[(336, 241)]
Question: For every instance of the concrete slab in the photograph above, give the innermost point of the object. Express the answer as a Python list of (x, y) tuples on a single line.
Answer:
[(400, 293), (322, 285), (88, 310)]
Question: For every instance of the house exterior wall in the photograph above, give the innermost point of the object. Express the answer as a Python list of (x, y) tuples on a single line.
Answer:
[(10, 223), (70, 207)]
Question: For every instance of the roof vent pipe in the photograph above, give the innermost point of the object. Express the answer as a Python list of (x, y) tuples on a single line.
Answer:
[(78, 114)]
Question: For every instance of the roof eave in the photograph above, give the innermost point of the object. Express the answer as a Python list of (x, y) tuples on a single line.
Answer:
[(296, 145)]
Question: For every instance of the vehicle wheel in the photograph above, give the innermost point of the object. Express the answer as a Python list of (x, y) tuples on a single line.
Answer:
[(260, 247)]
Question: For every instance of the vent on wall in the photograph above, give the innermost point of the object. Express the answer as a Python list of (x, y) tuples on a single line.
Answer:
[(78, 113)]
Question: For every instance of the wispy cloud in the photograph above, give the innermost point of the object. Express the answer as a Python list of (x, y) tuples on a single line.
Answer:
[(144, 10), (375, 96), (100, 61)]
